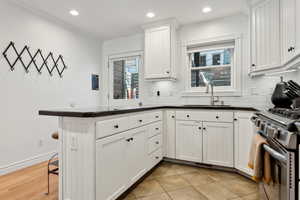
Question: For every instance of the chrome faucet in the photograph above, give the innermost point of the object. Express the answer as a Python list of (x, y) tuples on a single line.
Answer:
[(212, 97)]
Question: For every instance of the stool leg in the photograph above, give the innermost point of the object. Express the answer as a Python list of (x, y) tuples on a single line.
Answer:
[(48, 181)]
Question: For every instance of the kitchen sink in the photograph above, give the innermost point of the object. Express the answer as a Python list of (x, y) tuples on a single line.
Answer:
[(207, 105)]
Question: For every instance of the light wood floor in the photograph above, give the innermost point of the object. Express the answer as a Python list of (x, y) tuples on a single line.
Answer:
[(28, 184)]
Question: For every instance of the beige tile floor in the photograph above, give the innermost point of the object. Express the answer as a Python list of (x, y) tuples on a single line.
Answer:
[(180, 182)]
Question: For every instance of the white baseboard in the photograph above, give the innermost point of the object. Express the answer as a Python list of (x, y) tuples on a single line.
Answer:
[(25, 163)]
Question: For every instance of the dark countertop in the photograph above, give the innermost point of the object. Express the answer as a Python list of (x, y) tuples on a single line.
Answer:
[(106, 111)]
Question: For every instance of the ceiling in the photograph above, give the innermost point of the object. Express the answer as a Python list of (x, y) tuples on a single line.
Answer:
[(108, 19)]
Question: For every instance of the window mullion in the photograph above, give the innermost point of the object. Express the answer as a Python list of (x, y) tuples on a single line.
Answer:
[(210, 67)]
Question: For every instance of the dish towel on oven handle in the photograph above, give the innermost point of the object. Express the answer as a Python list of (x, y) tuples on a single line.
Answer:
[(260, 160)]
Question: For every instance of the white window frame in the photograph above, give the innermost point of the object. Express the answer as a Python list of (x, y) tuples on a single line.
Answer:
[(123, 102), (211, 44)]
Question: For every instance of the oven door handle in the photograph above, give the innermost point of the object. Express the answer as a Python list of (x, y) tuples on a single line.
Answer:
[(275, 154)]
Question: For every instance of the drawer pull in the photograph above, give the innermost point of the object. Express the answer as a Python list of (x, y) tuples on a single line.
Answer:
[(116, 126), (187, 115), (156, 157), (173, 116), (204, 128), (156, 116), (157, 142), (129, 139), (199, 128), (156, 128), (235, 119), (217, 117), (140, 120)]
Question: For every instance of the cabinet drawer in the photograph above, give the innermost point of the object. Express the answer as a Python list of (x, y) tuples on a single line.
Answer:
[(214, 116), (146, 118), (156, 157), (155, 129), (112, 126), (154, 116), (154, 143)]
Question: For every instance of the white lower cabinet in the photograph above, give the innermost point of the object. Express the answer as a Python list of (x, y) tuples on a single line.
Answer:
[(136, 158), (111, 168), (218, 143), (169, 134), (122, 159), (243, 129), (189, 141)]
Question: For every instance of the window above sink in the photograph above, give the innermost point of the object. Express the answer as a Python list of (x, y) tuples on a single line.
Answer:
[(215, 60)]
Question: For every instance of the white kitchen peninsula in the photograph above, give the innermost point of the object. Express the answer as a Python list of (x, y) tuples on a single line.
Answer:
[(104, 151)]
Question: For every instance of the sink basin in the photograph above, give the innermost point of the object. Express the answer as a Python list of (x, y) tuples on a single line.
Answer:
[(207, 105)]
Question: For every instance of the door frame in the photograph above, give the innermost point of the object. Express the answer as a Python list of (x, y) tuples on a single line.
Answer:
[(121, 56)]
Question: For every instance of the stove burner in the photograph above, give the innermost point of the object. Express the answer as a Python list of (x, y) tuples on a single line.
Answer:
[(288, 113)]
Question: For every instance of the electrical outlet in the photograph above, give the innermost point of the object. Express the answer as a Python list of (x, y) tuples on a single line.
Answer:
[(74, 143), (40, 142), (254, 91)]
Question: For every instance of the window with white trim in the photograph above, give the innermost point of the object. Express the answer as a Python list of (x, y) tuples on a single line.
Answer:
[(124, 79), (212, 64)]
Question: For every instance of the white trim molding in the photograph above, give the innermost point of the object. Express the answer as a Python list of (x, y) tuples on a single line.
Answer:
[(25, 163), (236, 89)]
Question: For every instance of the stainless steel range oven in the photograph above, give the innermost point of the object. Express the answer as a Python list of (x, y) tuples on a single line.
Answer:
[(282, 136)]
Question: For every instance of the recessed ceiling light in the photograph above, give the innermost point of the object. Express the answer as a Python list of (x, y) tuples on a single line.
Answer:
[(150, 14), (74, 12), (206, 9)]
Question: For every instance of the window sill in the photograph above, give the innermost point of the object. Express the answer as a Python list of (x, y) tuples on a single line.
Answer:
[(233, 93)]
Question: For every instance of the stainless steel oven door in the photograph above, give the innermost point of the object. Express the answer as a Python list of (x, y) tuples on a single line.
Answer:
[(283, 173)]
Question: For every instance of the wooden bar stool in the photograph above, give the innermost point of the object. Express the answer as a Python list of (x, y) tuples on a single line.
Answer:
[(53, 162)]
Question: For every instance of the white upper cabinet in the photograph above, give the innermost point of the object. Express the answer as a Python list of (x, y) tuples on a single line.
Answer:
[(218, 143), (160, 45), (288, 31), (275, 38), (265, 35)]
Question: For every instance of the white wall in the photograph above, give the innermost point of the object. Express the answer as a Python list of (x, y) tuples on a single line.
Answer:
[(256, 92), (22, 130)]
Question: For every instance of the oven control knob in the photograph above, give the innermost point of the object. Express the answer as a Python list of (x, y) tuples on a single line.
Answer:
[(276, 133), (292, 127)]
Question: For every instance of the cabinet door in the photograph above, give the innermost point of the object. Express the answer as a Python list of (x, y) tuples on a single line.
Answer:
[(218, 143), (243, 130), (189, 141), (137, 155), (169, 134), (158, 52), (288, 29), (111, 165), (265, 35)]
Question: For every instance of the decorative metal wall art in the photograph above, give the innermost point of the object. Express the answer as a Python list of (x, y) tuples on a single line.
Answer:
[(33, 60)]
